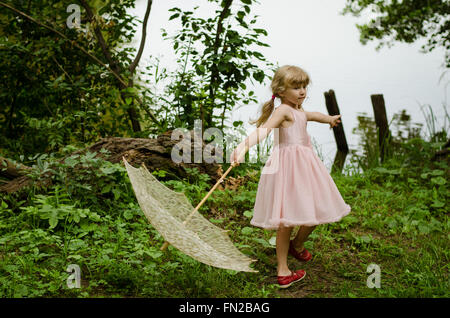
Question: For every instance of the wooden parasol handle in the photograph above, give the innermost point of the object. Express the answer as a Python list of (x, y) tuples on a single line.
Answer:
[(233, 164)]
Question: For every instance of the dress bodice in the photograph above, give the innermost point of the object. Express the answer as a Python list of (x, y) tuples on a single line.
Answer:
[(295, 133)]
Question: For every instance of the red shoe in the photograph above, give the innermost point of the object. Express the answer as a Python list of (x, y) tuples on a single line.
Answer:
[(303, 256), (286, 281)]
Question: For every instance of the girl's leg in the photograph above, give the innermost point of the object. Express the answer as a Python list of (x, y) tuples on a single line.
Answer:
[(283, 238), (302, 236)]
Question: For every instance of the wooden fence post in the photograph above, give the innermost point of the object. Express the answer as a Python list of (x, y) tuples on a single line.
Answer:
[(339, 134), (384, 135)]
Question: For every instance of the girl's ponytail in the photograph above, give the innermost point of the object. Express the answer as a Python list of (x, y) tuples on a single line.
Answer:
[(266, 111)]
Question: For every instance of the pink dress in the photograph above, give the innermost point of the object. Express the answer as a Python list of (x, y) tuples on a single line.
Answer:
[(295, 187)]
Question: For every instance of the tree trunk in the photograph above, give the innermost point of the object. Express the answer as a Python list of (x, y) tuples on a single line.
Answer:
[(214, 82)]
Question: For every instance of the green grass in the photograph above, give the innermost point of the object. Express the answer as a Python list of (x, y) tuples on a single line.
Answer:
[(399, 221)]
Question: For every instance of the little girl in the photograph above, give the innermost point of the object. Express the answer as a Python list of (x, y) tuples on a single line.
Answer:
[(299, 191)]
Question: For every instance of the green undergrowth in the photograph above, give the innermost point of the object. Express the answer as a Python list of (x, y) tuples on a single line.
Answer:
[(89, 216)]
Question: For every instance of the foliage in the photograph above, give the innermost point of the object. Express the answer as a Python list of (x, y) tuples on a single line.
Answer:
[(405, 21), (216, 61), (81, 219), (53, 93), (88, 214), (402, 134), (399, 221)]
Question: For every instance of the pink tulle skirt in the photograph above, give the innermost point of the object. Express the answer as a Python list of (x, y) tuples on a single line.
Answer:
[(294, 189)]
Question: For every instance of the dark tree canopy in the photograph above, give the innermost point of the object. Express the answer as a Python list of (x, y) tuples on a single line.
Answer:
[(405, 21)]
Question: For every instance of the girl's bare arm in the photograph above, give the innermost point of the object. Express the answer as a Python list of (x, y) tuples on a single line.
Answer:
[(322, 118), (259, 134), (319, 117)]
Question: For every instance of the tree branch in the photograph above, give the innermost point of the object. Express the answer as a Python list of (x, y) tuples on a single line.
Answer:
[(65, 37), (225, 12), (62, 68), (101, 39), (116, 75), (144, 35)]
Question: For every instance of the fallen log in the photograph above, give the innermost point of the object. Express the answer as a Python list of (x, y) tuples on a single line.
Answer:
[(10, 169), (154, 153)]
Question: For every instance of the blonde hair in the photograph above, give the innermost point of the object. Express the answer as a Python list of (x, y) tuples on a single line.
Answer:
[(287, 76)]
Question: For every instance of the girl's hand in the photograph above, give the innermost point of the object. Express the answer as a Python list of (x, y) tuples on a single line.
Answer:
[(334, 121), (234, 155)]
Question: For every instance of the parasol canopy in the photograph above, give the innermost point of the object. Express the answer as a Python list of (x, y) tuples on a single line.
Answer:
[(172, 215)]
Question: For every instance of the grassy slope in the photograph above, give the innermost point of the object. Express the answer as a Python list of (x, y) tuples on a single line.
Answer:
[(398, 221)]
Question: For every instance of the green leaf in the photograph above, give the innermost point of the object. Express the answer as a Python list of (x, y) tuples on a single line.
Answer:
[(247, 230), (20, 291), (387, 171), (53, 220), (262, 31), (70, 162), (259, 76), (424, 229), (153, 254), (128, 214), (116, 193), (130, 90), (106, 188), (75, 257), (412, 180), (107, 170), (258, 55), (437, 172), (159, 173), (237, 123), (200, 69), (273, 241), (262, 242), (438, 204), (47, 208), (438, 180), (173, 16), (364, 239), (89, 155), (218, 221)]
